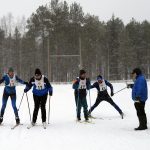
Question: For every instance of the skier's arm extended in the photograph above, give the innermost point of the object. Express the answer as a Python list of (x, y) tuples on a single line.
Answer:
[(20, 81), (111, 87), (50, 88), (2, 80), (29, 85), (93, 86)]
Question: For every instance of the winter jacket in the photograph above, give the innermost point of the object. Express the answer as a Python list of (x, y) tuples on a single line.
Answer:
[(140, 90), (40, 91)]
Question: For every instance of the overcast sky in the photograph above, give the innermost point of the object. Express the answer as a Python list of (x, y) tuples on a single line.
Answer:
[(125, 9)]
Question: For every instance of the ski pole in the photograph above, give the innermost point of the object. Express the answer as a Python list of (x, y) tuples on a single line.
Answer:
[(28, 107), (21, 101), (49, 109), (120, 90)]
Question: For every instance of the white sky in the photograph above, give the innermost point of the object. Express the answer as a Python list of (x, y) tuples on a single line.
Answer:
[(125, 9)]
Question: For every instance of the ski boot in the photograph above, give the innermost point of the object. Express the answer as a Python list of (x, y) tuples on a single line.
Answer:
[(1, 120), (44, 125), (122, 115), (141, 128), (17, 120), (78, 119)]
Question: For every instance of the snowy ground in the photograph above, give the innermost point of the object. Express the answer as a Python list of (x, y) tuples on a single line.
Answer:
[(109, 133)]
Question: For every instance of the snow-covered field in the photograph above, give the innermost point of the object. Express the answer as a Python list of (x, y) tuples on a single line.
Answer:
[(109, 133)]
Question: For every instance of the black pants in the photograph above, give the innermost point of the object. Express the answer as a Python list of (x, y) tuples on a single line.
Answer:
[(39, 101), (81, 102), (140, 109), (106, 98)]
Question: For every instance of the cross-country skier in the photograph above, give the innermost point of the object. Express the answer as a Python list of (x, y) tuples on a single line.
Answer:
[(41, 88), (81, 85), (102, 94), (139, 96), (10, 80)]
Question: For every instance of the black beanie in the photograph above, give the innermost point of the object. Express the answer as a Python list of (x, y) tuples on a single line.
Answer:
[(137, 71), (38, 71), (82, 72)]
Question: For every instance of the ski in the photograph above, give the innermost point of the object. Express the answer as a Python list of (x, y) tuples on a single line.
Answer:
[(85, 122), (31, 126), (12, 128), (92, 117), (88, 122)]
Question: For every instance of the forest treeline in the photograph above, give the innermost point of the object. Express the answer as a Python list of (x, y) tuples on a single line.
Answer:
[(61, 39)]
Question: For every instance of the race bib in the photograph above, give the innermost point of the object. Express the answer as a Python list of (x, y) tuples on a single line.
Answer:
[(103, 86), (82, 84), (40, 84)]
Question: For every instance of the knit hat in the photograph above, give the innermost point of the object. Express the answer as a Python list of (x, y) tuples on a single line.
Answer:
[(10, 69), (137, 71), (38, 71), (99, 77), (82, 72)]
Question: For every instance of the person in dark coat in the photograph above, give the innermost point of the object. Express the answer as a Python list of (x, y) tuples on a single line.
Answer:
[(80, 86), (139, 96), (102, 95)]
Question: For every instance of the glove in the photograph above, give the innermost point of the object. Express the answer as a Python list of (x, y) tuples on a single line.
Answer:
[(25, 90), (26, 83), (112, 93), (50, 93), (130, 86)]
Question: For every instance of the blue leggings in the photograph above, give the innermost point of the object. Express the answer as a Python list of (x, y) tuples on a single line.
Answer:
[(13, 102)]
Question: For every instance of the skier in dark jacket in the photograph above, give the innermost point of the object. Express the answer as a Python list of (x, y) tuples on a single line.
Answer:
[(102, 94), (10, 80), (41, 88), (81, 85), (139, 96)]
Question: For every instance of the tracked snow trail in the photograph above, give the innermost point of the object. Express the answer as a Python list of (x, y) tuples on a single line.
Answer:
[(109, 133)]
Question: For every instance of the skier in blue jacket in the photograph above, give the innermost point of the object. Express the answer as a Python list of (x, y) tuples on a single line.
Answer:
[(102, 94), (10, 80), (41, 88), (139, 96)]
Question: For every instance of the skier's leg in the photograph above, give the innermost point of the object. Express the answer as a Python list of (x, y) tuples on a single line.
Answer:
[(109, 100), (85, 108), (79, 109), (36, 108), (43, 108), (98, 100), (4, 103), (13, 102)]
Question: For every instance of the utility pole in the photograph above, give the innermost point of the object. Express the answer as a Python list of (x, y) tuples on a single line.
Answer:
[(48, 58), (80, 52)]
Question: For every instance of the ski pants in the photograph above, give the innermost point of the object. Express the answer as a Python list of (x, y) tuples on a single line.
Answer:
[(81, 102), (13, 102), (39, 101), (106, 98)]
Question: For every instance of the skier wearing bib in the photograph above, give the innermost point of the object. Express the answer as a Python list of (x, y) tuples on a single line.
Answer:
[(10, 80), (80, 86), (41, 88), (102, 94)]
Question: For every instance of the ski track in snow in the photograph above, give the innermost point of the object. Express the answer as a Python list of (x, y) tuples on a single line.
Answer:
[(109, 133)]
